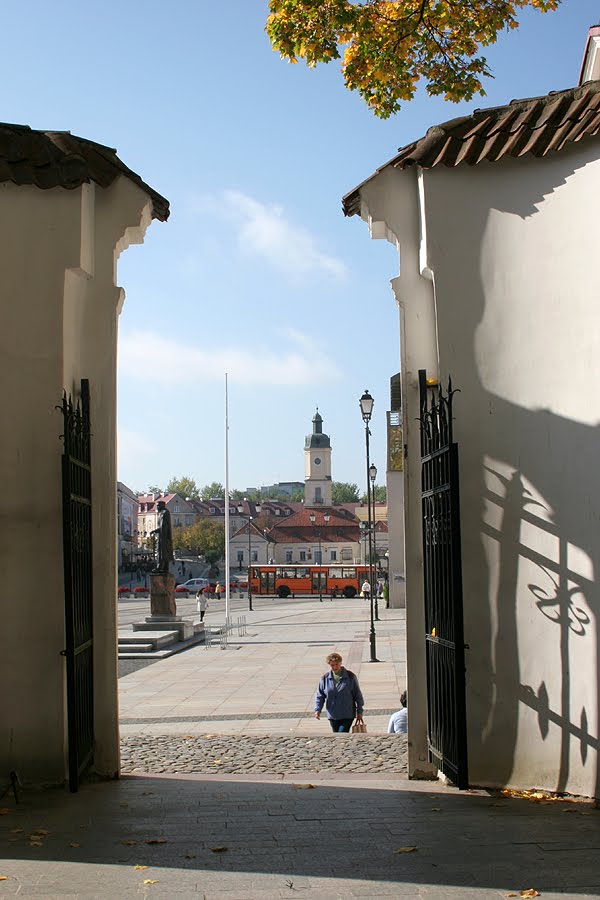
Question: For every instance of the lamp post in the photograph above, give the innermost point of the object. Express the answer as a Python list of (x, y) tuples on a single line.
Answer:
[(373, 476), (249, 518), (313, 519), (366, 408)]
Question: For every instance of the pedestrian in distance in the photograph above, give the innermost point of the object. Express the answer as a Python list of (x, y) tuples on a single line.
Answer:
[(339, 692), (217, 591), (366, 589), (398, 723), (202, 604)]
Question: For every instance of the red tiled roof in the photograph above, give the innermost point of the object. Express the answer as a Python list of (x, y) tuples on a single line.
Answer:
[(49, 159), (299, 529), (536, 126)]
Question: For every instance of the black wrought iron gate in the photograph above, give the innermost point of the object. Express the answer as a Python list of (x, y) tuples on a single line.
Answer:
[(444, 636), (77, 554)]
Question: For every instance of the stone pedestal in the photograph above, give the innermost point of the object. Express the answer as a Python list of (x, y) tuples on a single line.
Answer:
[(162, 595)]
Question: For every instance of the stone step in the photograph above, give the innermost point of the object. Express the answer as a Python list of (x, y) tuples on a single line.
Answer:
[(129, 651), (158, 639), (138, 649)]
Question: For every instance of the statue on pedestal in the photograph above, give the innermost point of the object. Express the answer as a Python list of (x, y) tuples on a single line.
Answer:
[(164, 537)]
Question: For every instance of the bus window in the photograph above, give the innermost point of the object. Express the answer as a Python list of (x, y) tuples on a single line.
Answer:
[(302, 572), (288, 573), (349, 573), (335, 573)]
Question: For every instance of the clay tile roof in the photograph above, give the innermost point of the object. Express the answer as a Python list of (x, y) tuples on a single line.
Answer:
[(535, 126), (49, 159)]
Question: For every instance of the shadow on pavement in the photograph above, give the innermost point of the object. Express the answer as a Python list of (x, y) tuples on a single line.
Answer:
[(284, 829)]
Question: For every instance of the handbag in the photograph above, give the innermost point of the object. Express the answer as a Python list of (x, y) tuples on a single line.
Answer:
[(358, 728)]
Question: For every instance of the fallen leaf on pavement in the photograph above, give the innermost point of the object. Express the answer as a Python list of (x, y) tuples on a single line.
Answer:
[(4, 811), (140, 867), (17, 830), (190, 856), (35, 844), (3, 877), (41, 831), (150, 880), (74, 844), (436, 809), (378, 757), (156, 841), (219, 849), (530, 892), (302, 787), (216, 762), (129, 843), (405, 850)]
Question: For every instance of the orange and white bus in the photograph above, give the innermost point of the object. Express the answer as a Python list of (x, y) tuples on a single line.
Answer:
[(295, 580)]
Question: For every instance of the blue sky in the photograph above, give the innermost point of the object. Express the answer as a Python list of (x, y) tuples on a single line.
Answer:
[(257, 272)]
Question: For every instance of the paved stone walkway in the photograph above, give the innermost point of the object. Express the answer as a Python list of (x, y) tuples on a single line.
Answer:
[(247, 754)]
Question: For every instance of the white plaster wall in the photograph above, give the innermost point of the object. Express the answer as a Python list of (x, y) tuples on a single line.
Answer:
[(512, 247), (396, 563), (59, 304), (390, 204)]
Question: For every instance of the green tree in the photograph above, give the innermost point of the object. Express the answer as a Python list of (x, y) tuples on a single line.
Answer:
[(184, 486), (344, 492), (213, 491), (153, 489), (297, 496), (391, 44), (204, 538), (380, 494)]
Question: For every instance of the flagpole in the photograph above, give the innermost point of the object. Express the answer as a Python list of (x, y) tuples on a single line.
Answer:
[(226, 503)]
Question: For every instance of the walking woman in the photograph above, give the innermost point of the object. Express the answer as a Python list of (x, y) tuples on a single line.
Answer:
[(202, 604), (340, 693)]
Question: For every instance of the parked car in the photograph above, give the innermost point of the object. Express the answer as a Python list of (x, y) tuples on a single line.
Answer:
[(192, 586)]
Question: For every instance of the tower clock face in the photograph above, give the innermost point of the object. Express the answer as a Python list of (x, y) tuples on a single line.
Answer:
[(317, 461)]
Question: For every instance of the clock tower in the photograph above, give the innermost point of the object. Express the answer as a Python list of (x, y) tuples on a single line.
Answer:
[(317, 466)]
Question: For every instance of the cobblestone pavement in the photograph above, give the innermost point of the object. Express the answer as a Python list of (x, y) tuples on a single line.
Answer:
[(246, 754)]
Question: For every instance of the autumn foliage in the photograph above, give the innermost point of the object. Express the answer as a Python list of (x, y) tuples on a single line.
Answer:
[(387, 46)]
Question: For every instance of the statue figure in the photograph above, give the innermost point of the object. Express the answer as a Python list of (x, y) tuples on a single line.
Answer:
[(164, 537)]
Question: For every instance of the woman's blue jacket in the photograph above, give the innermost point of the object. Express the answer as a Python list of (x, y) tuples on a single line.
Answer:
[(342, 702)]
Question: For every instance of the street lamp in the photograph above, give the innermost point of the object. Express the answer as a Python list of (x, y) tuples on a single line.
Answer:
[(250, 518), (373, 476), (313, 519), (366, 408)]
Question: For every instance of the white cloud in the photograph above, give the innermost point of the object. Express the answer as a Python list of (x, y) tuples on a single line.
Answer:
[(294, 360), (262, 230)]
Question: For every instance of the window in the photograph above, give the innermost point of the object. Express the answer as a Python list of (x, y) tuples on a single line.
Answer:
[(288, 573), (348, 573), (346, 553), (255, 556), (318, 496), (303, 556), (177, 507), (333, 555), (288, 556), (335, 573)]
